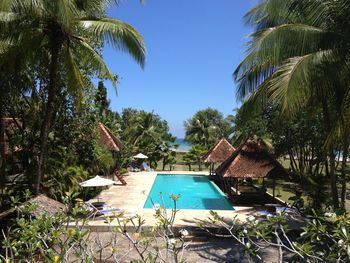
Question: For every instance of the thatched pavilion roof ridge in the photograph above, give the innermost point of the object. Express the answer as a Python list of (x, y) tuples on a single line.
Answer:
[(250, 160), (219, 152), (108, 139)]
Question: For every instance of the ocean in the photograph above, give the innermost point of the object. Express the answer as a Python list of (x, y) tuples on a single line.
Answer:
[(184, 146)]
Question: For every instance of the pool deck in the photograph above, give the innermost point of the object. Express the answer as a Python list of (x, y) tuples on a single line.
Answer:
[(132, 197)]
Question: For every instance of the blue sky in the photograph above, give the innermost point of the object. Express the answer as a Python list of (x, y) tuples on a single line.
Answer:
[(193, 46)]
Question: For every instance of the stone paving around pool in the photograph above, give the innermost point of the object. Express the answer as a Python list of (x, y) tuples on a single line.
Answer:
[(131, 199)]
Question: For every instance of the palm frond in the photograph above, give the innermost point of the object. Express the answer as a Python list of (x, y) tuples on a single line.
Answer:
[(96, 61), (270, 48), (289, 86), (268, 14), (92, 7), (9, 16), (306, 38), (34, 8), (119, 35), (5, 5), (74, 77), (66, 11)]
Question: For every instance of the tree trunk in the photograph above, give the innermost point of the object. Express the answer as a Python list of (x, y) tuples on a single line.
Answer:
[(2, 145), (164, 164), (343, 168), (331, 155), (49, 111)]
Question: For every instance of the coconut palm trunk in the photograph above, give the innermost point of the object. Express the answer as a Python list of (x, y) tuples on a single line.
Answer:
[(49, 110), (331, 155), (2, 145), (343, 168)]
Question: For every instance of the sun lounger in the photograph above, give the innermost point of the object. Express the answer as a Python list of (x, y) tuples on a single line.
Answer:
[(110, 210), (146, 167), (134, 168), (105, 210), (264, 213), (285, 209)]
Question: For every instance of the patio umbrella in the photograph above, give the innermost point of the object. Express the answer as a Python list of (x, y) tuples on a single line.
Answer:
[(97, 181), (141, 156)]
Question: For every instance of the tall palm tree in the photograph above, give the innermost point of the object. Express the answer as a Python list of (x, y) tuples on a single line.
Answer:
[(206, 127), (66, 31), (300, 54)]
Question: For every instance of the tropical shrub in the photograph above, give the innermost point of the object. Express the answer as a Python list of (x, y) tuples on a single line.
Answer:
[(65, 238), (324, 237)]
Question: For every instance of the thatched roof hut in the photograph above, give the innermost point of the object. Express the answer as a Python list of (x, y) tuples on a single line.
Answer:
[(44, 205), (219, 152), (108, 139), (250, 160)]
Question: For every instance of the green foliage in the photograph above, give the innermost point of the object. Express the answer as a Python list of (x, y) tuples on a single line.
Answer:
[(65, 237), (194, 155), (256, 127), (65, 182), (325, 237), (59, 43), (104, 160), (147, 133), (206, 127), (299, 56)]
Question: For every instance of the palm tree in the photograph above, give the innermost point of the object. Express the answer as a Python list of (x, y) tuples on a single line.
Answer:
[(206, 127), (167, 153), (145, 129), (300, 54), (66, 31)]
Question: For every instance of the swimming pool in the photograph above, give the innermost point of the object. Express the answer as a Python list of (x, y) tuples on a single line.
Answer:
[(196, 192)]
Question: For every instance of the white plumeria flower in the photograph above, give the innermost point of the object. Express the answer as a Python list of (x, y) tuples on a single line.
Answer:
[(329, 214), (172, 241), (245, 231), (251, 218), (183, 232), (248, 245), (340, 242), (156, 206)]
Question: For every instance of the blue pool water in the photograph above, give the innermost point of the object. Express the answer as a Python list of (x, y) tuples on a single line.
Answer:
[(196, 192)]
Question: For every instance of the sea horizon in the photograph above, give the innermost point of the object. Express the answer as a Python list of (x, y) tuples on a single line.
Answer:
[(184, 145)]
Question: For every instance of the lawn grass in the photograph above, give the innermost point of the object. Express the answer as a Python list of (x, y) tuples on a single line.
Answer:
[(181, 167)]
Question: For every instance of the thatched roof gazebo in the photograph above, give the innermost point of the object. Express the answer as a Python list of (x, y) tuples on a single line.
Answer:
[(44, 205), (109, 140), (221, 150), (251, 160)]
